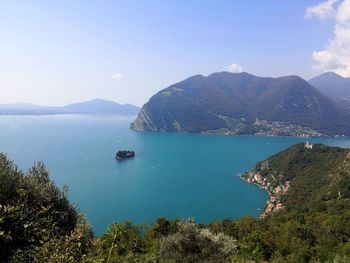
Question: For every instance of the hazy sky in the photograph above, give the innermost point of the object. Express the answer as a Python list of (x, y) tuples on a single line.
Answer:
[(57, 52)]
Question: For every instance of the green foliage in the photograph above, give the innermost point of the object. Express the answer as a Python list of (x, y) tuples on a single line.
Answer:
[(33, 212), (162, 228), (194, 244), (119, 242)]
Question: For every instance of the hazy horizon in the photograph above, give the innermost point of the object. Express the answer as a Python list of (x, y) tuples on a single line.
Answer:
[(56, 53), (62, 105)]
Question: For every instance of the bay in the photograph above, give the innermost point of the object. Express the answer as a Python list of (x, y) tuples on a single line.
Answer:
[(173, 175)]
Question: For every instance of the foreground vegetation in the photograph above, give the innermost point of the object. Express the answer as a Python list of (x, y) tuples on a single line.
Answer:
[(38, 224)]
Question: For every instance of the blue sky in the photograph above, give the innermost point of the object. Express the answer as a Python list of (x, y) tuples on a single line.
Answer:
[(57, 52)]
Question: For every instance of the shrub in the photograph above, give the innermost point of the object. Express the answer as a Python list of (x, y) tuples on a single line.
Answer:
[(194, 244)]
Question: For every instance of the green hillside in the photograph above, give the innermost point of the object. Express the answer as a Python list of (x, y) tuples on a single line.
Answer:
[(241, 103), (334, 86)]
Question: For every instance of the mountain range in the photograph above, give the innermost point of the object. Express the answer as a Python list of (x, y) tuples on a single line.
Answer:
[(334, 86), (96, 106), (241, 103)]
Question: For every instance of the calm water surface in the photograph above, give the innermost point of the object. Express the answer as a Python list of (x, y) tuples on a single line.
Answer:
[(173, 175)]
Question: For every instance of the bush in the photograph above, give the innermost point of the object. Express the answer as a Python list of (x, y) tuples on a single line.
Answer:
[(194, 244)]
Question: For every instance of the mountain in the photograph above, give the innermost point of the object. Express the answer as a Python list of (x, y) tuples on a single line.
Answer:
[(96, 106), (334, 86), (241, 103), (27, 109)]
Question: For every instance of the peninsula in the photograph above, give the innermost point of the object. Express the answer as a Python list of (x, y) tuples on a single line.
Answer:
[(297, 176)]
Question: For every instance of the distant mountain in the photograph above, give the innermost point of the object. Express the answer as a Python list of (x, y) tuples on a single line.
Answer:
[(96, 106), (241, 103), (333, 85)]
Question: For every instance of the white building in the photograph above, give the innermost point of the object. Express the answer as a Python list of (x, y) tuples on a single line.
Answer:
[(308, 145)]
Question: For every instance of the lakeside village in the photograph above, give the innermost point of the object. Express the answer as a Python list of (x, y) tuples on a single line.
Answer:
[(277, 128), (274, 203), (268, 128)]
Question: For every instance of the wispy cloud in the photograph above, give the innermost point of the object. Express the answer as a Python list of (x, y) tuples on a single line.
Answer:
[(336, 55), (323, 10), (117, 76), (234, 68)]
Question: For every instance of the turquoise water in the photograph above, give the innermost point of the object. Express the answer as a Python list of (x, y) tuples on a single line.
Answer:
[(173, 175)]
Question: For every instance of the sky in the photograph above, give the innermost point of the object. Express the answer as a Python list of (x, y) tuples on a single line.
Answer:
[(59, 52)]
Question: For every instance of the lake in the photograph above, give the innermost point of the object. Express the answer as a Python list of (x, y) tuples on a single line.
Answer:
[(173, 175)]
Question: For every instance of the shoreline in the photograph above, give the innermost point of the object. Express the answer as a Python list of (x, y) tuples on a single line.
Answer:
[(273, 203), (245, 134)]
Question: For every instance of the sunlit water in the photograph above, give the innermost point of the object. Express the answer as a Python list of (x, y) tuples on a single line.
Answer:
[(173, 175)]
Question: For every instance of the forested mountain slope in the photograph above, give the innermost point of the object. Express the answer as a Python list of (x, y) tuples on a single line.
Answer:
[(241, 103)]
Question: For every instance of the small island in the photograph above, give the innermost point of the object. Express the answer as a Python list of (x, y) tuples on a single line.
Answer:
[(122, 155)]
